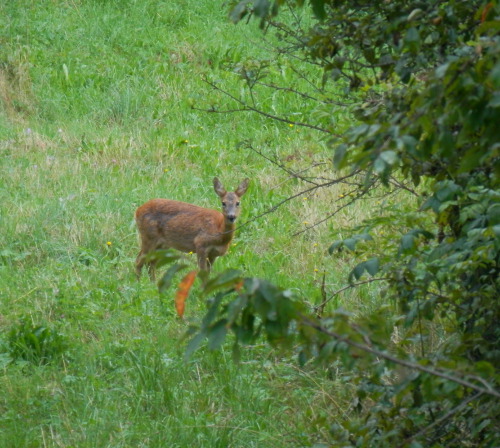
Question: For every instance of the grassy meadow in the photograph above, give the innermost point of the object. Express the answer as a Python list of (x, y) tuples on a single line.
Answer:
[(96, 118)]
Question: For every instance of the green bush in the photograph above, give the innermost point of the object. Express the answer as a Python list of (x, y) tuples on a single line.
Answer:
[(37, 344)]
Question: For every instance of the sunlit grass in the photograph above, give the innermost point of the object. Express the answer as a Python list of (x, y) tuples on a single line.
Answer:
[(96, 119)]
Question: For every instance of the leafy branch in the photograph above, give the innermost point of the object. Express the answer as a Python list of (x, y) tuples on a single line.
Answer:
[(487, 389)]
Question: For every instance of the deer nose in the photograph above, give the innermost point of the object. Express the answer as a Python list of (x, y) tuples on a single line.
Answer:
[(231, 218)]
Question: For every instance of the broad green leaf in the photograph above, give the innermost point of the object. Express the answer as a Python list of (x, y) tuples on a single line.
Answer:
[(409, 143), (318, 7), (216, 334), (162, 257), (239, 11), (441, 70), (269, 292), (380, 165), (262, 8), (339, 156), (303, 358), (236, 306), (496, 230), (495, 100), (365, 237), (358, 271), (194, 344), (446, 191), (334, 246), (166, 280), (412, 38), (391, 157), (493, 214), (407, 242), (372, 265), (470, 160), (213, 309), (229, 278), (350, 243)]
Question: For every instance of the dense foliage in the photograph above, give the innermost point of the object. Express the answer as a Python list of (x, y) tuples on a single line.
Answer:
[(423, 81)]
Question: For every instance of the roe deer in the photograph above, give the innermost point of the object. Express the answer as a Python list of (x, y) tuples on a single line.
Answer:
[(165, 223)]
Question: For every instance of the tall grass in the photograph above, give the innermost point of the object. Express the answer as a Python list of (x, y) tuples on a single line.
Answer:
[(96, 119)]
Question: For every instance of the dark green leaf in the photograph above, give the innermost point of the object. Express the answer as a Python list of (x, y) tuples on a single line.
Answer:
[(213, 309), (372, 265), (302, 358), (162, 257), (358, 271), (194, 344), (216, 334), (390, 157), (334, 246), (350, 243), (407, 242), (379, 165), (229, 278), (339, 156), (261, 8), (269, 292), (239, 11), (318, 7), (495, 100), (166, 280), (446, 190), (493, 214)]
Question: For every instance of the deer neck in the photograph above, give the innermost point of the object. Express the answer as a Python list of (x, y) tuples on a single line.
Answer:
[(227, 233)]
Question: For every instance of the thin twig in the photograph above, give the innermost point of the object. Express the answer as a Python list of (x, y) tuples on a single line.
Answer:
[(302, 94), (280, 165), (300, 193), (321, 307), (331, 215), (248, 108), (398, 184), (345, 288)]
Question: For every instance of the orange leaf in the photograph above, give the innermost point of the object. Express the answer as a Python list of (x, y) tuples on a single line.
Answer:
[(486, 10), (183, 292)]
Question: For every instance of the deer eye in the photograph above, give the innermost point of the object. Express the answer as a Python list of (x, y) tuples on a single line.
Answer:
[(223, 204), (237, 204)]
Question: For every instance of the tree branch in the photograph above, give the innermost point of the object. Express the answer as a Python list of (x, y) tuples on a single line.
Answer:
[(331, 215), (300, 193), (345, 288), (442, 419), (247, 108), (487, 389), (279, 165)]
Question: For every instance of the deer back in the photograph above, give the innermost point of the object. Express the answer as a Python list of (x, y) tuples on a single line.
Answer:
[(180, 225)]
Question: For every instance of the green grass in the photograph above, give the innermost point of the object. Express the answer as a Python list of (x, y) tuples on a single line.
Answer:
[(96, 119)]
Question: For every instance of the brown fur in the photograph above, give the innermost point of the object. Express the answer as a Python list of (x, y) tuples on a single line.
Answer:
[(165, 223)]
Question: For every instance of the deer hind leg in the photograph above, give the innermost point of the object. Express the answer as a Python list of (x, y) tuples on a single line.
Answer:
[(152, 270), (139, 263), (146, 247)]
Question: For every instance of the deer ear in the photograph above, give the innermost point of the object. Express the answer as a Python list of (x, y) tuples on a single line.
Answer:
[(219, 189), (242, 188)]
